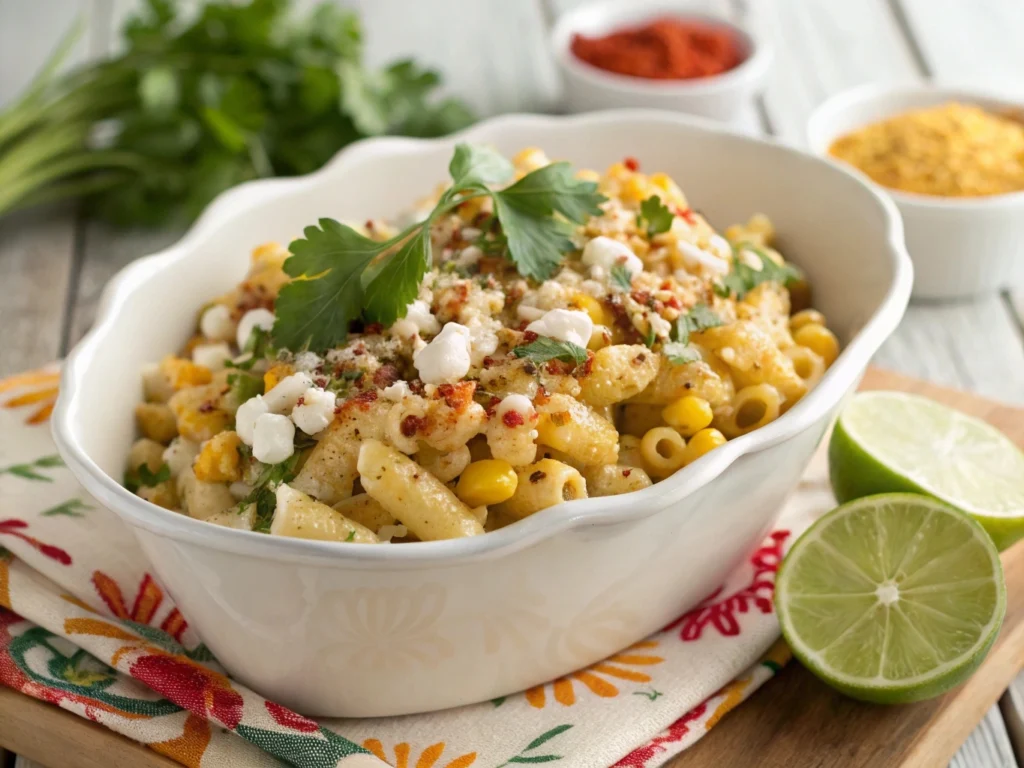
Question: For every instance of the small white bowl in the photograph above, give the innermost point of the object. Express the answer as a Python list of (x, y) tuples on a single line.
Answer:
[(587, 88), (960, 246)]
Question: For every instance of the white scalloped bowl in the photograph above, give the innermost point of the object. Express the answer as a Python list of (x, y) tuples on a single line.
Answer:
[(340, 630)]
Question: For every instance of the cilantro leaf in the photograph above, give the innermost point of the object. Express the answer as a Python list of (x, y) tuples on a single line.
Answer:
[(744, 278), (475, 164), (244, 386), (699, 318), (351, 536), (650, 337), (622, 278), (264, 495), (680, 353), (142, 476), (657, 216), (314, 310), (391, 283), (536, 238), (544, 348)]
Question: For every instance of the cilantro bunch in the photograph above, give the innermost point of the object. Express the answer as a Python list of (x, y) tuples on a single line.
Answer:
[(342, 275), (190, 108)]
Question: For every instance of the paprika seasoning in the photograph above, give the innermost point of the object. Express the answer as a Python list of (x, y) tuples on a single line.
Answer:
[(664, 49)]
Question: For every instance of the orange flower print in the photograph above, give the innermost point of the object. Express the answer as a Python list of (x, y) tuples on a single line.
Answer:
[(147, 602), (42, 393), (621, 666), (428, 758)]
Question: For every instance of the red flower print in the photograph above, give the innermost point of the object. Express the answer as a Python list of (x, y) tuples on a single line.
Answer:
[(722, 614), (192, 686), (287, 718), (640, 756), (14, 527)]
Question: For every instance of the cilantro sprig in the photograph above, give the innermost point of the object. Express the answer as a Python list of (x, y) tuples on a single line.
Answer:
[(341, 275), (744, 278), (544, 348), (679, 351), (143, 476), (655, 216), (621, 278), (264, 492)]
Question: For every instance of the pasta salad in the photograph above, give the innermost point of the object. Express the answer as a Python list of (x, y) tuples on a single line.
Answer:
[(528, 335)]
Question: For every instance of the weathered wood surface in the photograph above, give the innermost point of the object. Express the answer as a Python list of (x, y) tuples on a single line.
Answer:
[(493, 52)]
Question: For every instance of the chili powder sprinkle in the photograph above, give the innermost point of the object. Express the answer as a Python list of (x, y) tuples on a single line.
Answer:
[(664, 49)]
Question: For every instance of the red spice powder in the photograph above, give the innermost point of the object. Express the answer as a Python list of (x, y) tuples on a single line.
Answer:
[(665, 49)]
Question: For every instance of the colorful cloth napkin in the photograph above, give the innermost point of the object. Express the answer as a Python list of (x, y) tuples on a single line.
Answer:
[(84, 625)]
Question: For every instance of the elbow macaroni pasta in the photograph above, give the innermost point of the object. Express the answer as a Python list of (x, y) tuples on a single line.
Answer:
[(358, 445)]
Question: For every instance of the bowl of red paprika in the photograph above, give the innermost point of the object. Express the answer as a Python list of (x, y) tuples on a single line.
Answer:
[(662, 55)]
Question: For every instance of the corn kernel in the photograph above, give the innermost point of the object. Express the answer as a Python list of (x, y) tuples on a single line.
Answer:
[(218, 461), (530, 159), (818, 339), (617, 171), (592, 307), (156, 421), (634, 189), (689, 414), (276, 372), (162, 494), (805, 317), (662, 181), (490, 481), (184, 373), (270, 253), (704, 441)]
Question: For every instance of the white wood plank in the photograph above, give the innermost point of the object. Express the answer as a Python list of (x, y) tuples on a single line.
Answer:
[(35, 267), (988, 746), (24, 762), (821, 48)]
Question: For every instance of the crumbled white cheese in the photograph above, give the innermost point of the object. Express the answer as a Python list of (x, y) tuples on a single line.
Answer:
[(751, 259), (395, 392), (526, 312), (565, 325), (447, 357), (240, 490), (308, 361), (720, 246), (694, 255), (418, 313), (404, 329), (246, 415), (179, 455), (287, 391), (593, 288), (212, 356), (217, 324), (468, 256), (659, 325), (273, 438), (605, 252), (483, 336), (471, 233), (254, 318), (519, 403), (315, 411)]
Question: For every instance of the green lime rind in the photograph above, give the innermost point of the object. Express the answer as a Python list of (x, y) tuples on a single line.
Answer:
[(855, 471), (828, 566)]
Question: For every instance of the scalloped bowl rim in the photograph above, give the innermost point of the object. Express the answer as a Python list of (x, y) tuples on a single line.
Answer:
[(542, 525)]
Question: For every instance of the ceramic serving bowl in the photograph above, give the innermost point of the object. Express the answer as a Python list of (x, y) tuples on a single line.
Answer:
[(340, 630), (960, 246), (720, 97)]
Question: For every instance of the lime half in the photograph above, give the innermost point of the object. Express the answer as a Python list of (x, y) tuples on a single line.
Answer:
[(886, 442), (892, 598)]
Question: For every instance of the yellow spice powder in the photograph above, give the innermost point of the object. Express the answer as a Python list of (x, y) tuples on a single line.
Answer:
[(953, 150)]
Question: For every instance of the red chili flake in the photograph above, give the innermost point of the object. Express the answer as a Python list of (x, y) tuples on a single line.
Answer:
[(411, 425), (373, 328), (363, 399), (674, 302), (686, 214), (207, 407), (529, 368), (640, 297), (542, 396), (488, 362), (632, 163), (627, 472), (537, 476), (554, 367), (512, 419), (386, 375), (369, 224), (301, 400), (321, 382), (530, 336), (358, 351), (639, 358), (586, 368)]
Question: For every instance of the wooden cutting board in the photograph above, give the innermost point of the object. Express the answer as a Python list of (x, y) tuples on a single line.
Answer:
[(796, 721), (793, 721)]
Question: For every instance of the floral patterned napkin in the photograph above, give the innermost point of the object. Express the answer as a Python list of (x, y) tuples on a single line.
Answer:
[(83, 625)]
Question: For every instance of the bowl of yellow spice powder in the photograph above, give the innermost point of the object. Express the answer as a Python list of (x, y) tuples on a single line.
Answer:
[(953, 160)]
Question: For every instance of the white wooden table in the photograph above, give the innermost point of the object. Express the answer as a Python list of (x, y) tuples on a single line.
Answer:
[(53, 263)]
